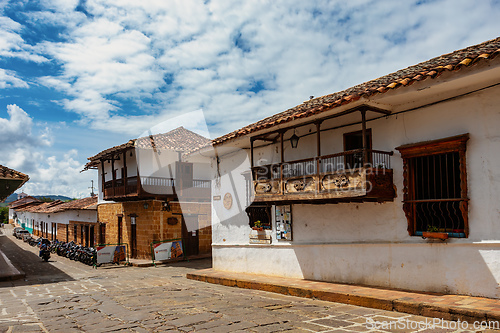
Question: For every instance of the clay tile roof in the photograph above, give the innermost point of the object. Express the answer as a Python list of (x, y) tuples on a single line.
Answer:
[(7, 173), (108, 153), (23, 201), (432, 68), (179, 139), (85, 203), (41, 208)]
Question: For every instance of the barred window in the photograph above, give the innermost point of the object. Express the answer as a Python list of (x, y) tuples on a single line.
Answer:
[(435, 186)]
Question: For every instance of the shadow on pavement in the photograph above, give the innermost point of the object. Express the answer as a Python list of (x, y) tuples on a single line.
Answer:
[(194, 264), (37, 271)]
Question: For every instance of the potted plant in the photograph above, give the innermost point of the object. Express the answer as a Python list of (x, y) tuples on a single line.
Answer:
[(258, 226), (433, 232)]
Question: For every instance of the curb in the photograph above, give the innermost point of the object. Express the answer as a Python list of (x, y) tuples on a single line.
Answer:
[(398, 303), (14, 273)]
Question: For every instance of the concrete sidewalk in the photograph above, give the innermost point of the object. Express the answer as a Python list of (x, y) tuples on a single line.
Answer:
[(448, 307), (7, 270)]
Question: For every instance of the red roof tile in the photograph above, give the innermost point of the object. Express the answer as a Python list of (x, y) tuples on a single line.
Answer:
[(179, 139), (428, 69), (7, 173)]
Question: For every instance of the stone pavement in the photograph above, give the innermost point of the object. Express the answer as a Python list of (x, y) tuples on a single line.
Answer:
[(449, 307), (67, 296)]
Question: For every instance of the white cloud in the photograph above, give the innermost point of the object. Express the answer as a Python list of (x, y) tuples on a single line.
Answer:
[(25, 146), (8, 79), (128, 64)]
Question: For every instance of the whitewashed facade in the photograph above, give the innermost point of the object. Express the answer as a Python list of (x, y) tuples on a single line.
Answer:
[(368, 242)]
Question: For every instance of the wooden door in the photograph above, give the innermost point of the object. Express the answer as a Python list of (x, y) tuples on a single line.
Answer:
[(91, 236), (354, 141), (120, 218), (190, 235), (102, 233), (133, 236), (87, 235)]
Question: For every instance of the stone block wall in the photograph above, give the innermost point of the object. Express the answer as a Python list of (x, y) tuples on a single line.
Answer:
[(152, 223)]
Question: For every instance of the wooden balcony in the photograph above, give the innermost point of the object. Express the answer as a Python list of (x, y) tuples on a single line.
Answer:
[(341, 177), (155, 187), (121, 188)]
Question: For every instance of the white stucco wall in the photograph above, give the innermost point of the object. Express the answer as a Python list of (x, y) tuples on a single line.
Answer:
[(367, 243), (33, 220)]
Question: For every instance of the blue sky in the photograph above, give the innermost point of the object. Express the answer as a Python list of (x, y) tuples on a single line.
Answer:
[(80, 76)]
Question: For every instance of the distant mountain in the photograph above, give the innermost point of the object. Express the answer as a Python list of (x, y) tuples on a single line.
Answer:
[(10, 198), (13, 197), (53, 197)]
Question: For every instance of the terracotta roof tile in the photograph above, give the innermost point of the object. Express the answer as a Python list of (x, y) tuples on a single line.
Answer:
[(179, 139), (428, 69), (7, 173), (85, 203), (59, 206)]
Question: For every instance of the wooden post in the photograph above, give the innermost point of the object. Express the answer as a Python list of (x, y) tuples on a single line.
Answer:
[(124, 176), (102, 177), (363, 133), (251, 153), (113, 174), (318, 155), (282, 160)]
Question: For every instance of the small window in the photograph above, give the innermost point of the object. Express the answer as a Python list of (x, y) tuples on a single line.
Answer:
[(435, 186), (261, 214)]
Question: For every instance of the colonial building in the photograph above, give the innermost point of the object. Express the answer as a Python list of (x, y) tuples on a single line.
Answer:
[(74, 220), (149, 191), (10, 181), (21, 202), (393, 183)]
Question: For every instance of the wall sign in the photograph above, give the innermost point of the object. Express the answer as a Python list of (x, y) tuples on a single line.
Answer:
[(284, 222)]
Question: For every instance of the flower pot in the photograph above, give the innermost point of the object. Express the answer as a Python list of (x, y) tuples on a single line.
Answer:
[(437, 235), (258, 228)]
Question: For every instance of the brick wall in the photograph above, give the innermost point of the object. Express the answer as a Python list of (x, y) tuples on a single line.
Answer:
[(152, 223)]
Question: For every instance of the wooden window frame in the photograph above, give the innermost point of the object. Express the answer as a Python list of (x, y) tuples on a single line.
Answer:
[(455, 144), (255, 212)]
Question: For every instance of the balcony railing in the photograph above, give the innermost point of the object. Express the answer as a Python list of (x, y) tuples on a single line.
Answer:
[(148, 185), (354, 173)]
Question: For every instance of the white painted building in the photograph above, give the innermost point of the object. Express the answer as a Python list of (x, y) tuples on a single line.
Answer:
[(73, 220), (413, 206)]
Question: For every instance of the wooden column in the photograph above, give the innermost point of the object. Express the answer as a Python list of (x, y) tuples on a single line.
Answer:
[(103, 179), (113, 174), (251, 153), (282, 160), (363, 133), (318, 155), (124, 176)]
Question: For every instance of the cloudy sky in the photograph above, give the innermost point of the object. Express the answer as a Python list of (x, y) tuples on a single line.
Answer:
[(80, 76)]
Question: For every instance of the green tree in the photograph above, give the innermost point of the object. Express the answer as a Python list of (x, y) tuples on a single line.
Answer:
[(4, 214)]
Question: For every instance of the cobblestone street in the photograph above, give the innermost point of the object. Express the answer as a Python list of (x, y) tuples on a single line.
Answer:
[(67, 296)]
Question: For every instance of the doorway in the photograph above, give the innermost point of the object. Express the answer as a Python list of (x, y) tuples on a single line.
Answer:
[(91, 236), (190, 234), (102, 233), (133, 236), (354, 141), (120, 219), (87, 235)]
